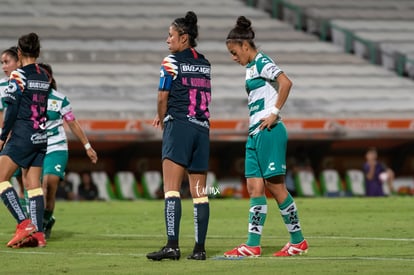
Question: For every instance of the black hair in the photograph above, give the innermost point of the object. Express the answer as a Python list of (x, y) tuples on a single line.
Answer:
[(243, 31), (29, 45), (12, 51), (49, 72), (188, 25)]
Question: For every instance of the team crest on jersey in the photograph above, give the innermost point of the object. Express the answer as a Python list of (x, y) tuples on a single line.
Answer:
[(251, 72), (54, 105), (169, 67)]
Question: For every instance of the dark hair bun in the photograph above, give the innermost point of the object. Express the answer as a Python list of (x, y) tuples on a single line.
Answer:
[(30, 44), (243, 23), (191, 18)]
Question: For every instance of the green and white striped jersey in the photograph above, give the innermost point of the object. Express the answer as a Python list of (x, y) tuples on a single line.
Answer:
[(261, 88), (4, 82), (57, 107)]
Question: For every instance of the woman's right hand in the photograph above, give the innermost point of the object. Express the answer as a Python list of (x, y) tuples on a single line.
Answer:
[(156, 122)]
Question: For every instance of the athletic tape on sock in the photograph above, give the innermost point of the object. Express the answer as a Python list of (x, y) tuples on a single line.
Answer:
[(200, 200), (4, 186), (35, 192), (171, 194)]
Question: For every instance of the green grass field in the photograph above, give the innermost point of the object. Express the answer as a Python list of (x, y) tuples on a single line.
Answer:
[(346, 236)]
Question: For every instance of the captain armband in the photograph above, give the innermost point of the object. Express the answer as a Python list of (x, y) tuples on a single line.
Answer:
[(69, 116)]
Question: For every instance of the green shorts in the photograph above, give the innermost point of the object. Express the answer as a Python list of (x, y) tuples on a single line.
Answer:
[(55, 163), (266, 153)]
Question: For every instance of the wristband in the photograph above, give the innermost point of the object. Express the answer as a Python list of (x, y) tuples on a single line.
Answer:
[(275, 111), (87, 146)]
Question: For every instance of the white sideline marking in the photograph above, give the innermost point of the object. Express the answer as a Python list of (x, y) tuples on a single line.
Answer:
[(218, 257), (301, 258), (263, 237), (366, 238), (304, 258)]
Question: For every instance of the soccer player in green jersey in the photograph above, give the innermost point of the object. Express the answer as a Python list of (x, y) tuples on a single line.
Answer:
[(9, 63), (267, 88)]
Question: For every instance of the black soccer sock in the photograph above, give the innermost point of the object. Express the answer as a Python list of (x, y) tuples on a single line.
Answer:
[(201, 218), (11, 200), (37, 207), (172, 212)]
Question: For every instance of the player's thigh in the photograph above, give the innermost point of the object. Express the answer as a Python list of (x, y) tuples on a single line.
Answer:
[(251, 162), (55, 163), (177, 142), (200, 153), (272, 151)]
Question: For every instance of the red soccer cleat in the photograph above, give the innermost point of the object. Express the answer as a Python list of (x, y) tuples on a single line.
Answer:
[(40, 237), (244, 250), (292, 249), (23, 230), (35, 240)]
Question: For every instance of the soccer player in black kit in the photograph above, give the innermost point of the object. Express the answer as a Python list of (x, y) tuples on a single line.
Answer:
[(23, 141), (184, 94)]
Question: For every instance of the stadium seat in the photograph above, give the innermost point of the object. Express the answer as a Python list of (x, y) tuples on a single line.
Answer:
[(355, 182), (104, 185), (126, 186), (330, 183), (75, 179), (151, 184), (305, 184)]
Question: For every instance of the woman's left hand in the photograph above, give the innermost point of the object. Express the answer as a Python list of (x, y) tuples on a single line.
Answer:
[(268, 122)]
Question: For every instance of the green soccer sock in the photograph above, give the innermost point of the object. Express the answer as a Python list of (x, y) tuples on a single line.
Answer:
[(257, 218), (25, 205), (47, 215), (290, 216)]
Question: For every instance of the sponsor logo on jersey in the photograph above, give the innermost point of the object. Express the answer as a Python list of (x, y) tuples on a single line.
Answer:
[(256, 106), (39, 138), (38, 85), (185, 68)]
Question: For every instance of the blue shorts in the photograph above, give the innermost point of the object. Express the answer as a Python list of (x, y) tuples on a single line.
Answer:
[(266, 153), (55, 163), (186, 144), (25, 154)]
